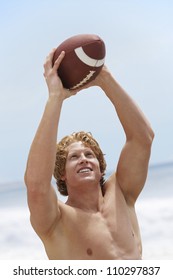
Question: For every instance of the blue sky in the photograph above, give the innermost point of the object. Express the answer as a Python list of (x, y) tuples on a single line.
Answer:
[(139, 42)]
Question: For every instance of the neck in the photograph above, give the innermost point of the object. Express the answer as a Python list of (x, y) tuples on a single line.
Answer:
[(87, 198)]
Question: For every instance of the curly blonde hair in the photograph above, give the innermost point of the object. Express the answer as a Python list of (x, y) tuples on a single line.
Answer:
[(61, 154)]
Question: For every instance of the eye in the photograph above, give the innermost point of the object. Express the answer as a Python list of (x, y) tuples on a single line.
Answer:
[(74, 156), (89, 154)]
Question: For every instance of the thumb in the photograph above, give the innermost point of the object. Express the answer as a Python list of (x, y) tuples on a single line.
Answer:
[(69, 93)]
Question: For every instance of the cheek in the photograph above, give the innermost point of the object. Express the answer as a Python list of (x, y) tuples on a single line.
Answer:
[(97, 168), (65, 173), (69, 171), (98, 165)]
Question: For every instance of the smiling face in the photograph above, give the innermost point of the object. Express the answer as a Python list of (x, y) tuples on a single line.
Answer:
[(82, 166), (63, 150)]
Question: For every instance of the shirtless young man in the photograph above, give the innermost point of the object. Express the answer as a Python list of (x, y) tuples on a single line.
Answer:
[(93, 224)]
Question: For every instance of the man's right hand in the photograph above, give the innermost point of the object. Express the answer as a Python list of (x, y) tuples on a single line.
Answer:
[(53, 81)]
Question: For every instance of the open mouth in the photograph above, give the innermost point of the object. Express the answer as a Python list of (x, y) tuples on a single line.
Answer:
[(85, 170)]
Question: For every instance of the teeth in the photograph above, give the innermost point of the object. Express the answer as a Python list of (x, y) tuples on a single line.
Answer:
[(84, 170)]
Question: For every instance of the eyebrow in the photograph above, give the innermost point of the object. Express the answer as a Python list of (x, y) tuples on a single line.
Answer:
[(78, 150)]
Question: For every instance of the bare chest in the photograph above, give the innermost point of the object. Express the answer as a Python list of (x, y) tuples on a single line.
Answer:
[(107, 235)]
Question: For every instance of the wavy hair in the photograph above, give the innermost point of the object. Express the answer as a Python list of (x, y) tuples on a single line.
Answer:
[(61, 155)]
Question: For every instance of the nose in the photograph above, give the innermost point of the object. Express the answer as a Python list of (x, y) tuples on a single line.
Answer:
[(83, 158)]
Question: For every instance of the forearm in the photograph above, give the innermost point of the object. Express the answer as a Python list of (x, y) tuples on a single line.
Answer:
[(131, 117), (42, 154)]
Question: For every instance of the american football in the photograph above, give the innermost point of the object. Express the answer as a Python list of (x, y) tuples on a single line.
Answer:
[(84, 59)]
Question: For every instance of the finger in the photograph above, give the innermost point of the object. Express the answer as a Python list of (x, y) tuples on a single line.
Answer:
[(48, 62), (59, 60), (74, 91), (69, 93)]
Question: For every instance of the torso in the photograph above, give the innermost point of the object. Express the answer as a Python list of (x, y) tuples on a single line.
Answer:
[(110, 234)]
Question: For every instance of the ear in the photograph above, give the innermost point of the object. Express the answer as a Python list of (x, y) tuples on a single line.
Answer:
[(102, 176), (63, 177)]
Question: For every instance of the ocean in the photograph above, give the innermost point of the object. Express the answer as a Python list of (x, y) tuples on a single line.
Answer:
[(154, 209)]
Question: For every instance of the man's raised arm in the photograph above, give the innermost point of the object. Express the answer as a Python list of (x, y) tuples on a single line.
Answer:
[(42, 199), (133, 163)]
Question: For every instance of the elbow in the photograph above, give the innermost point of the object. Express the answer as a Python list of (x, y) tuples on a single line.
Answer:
[(26, 178), (150, 136), (32, 183), (145, 137)]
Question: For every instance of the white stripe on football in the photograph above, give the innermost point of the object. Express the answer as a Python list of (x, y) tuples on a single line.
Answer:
[(88, 60)]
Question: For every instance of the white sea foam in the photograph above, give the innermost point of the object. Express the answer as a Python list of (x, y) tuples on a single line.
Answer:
[(156, 223), (17, 238)]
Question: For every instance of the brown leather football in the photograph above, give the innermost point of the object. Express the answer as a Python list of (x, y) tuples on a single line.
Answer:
[(84, 59)]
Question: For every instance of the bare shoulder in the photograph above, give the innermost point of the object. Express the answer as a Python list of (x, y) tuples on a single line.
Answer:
[(113, 189), (110, 184), (113, 194)]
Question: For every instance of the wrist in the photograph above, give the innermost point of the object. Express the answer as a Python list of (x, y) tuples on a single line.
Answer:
[(55, 98), (106, 80)]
